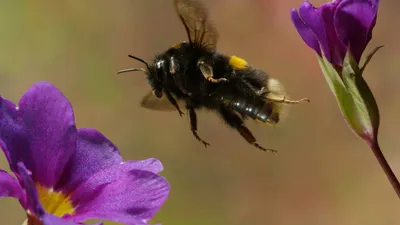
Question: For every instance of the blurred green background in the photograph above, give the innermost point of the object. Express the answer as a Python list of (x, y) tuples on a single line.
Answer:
[(322, 175)]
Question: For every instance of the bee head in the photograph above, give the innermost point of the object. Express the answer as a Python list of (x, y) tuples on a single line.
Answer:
[(154, 73)]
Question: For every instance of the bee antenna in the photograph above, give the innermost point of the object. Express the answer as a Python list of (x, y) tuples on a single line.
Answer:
[(140, 60), (131, 70), (136, 69)]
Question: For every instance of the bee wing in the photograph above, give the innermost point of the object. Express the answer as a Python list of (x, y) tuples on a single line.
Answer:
[(199, 28), (150, 101)]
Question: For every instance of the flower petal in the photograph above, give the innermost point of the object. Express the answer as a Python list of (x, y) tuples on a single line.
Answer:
[(354, 21), (94, 153), (152, 165), (305, 32), (337, 49), (33, 203), (49, 120), (120, 195), (137, 222), (312, 17), (49, 219), (13, 137), (9, 186)]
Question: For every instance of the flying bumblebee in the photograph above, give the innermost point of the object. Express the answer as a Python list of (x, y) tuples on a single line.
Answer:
[(193, 72)]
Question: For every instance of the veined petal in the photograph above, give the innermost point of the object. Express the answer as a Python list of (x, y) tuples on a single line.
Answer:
[(120, 195), (94, 153), (312, 17), (305, 32), (354, 21), (13, 137), (9, 186), (137, 222), (33, 203), (48, 118), (151, 165), (337, 48), (49, 219)]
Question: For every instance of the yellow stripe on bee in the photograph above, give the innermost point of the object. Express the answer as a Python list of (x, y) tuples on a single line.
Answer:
[(237, 63), (177, 46)]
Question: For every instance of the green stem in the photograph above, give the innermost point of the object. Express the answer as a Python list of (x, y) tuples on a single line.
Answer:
[(385, 166)]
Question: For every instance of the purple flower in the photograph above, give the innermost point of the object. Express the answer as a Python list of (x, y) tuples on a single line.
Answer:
[(66, 175), (334, 27)]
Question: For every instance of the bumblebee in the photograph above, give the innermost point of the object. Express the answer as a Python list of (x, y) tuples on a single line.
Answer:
[(194, 73)]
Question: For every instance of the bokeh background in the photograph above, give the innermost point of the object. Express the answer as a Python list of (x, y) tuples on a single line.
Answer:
[(322, 175)]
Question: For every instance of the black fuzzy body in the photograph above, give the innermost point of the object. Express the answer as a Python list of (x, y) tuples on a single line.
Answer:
[(196, 74), (241, 94)]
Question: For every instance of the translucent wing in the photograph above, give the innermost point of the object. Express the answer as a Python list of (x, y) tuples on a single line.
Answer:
[(150, 101), (199, 29)]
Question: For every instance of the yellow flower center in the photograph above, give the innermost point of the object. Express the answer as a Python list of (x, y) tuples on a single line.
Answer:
[(56, 203)]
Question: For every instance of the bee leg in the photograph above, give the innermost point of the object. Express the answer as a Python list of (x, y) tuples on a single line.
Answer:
[(261, 91), (246, 134), (282, 99), (236, 122), (173, 102), (193, 126), (207, 72)]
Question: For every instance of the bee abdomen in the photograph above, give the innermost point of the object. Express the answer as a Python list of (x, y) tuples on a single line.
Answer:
[(257, 110)]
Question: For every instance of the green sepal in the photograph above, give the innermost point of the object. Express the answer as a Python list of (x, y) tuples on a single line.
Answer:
[(369, 57), (339, 89), (364, 102)]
